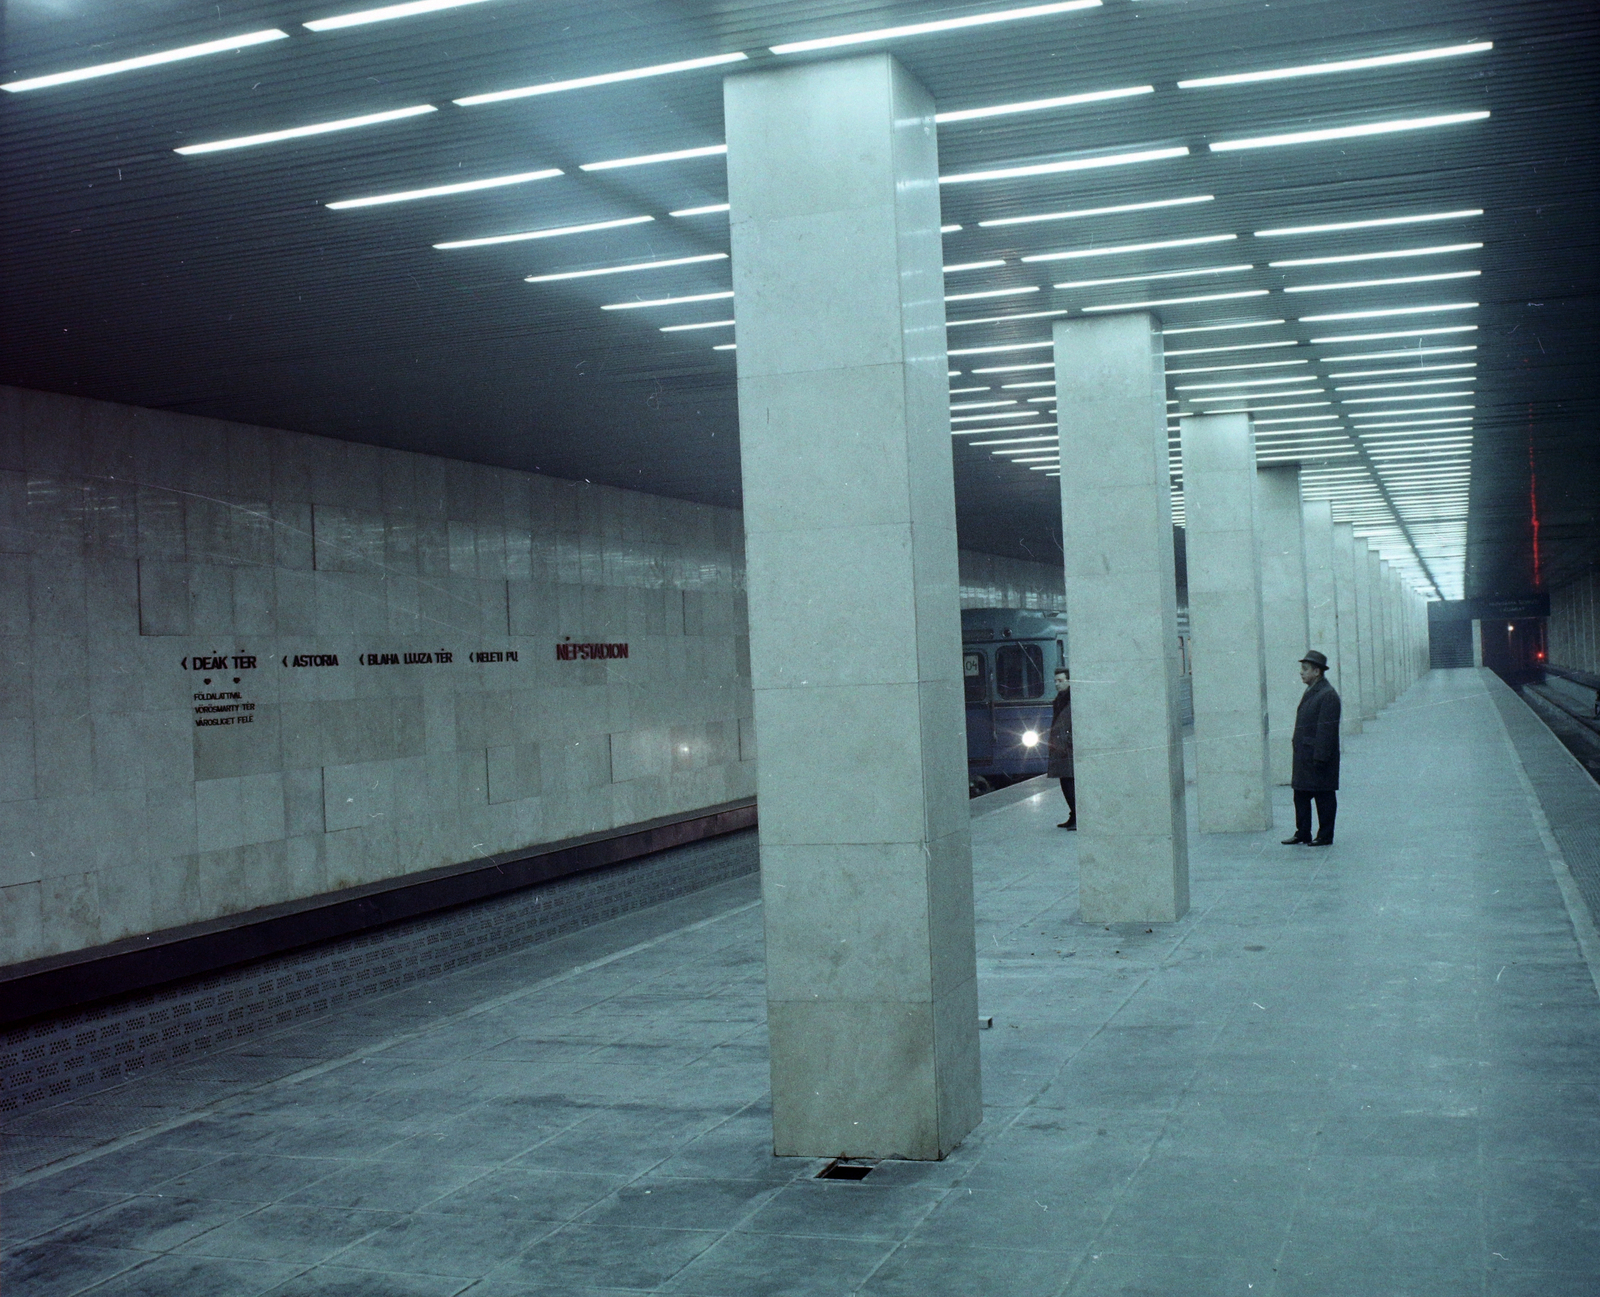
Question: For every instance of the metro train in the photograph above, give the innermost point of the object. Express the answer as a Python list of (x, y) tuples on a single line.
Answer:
[(1009, 657)]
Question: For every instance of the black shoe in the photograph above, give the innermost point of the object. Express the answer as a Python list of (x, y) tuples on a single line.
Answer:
[(1320, 842), (1068, 823), (1297, 841)]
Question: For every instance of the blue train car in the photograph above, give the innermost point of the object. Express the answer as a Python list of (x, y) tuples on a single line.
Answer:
[(1009, 660)]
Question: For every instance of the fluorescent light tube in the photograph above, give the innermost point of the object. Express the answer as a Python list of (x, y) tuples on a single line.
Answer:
[(1016, 387), (1096, 211), (618, 270), (384, 14), (1070, 164), (438, 191), (948, 229), (602, 79), (648, 159), (980, 432), (940, 25), (1177, 301), (1420, 382), (1378, 256), (1409, 369), (1238, 346), (1131, 247), (1408, 396), (1003, 319), (1165, 274), (1040, 105), (726, 346), (1403, 333), (956, 391), (669, 301), (1222, 328), (1372, 224), (707, 210), (1395, 414), (685, 328), (1383, 283), (1299, 418), (1394, 310), (1342, 65), (298, 132), (1240, 382), (993, 292), (985, 418), (1259, 396), (553, 232), (1220, 369), (1011, 441), (973, 265), (979, 405), (1009, 346), (1415, 423), (1349, 132), (146, 61), (1017, 369)]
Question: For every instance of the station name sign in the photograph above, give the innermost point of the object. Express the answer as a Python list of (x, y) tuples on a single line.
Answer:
[(590, 652)]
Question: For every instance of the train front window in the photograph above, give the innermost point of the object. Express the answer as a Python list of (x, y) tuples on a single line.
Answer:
[(1019, 671), (976, 680)]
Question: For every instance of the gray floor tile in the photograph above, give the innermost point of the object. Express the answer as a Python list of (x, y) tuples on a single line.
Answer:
[(1133, 1274), (188, 1276), (578, 1256), (464, 1246), (519, 1193), (42, 1269), (341, 1281), (919, 1269), (777, 1265), (27, 1213), (283, 1233), (845, 1209)]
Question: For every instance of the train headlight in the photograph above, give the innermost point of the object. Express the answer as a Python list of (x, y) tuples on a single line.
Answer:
[(1030, 738)]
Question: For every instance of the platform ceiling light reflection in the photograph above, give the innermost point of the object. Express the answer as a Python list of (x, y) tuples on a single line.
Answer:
[(1391, 311), (178, 55), (1371, 224), (1155, 275), (1383, 283), (601, 79), (1341, 65), (1067, 164), (1177, 301), (1437, 250), (1040, 105), (1095, 211), (440, 191), (650, 159), (300, 132), (707, 210), (622, 270), (938, 25), (1349, 132), (551, 233), (1130, 247)]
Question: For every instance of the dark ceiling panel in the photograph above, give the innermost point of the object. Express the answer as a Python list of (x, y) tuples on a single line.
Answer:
[(222, 284)]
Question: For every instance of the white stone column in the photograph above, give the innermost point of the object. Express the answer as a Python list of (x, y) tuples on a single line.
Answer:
[(1350, 684), (855, 631), (1385, 590), (1370, 701), (1375, 615), (1322, 609), (1116, 526), (1223, 528), (1477, 642), (1283, 608)]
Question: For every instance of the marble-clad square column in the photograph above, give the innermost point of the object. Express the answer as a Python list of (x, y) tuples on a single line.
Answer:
[(1366, 632), (1121, 597), (1322, 608), (1375, 605), (1283, 607), (1351, 685), (1223, 528), (855, 630), (1391, 633)]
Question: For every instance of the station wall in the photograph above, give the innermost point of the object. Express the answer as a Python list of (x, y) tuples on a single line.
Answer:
[(241, 666), (1573, 631)]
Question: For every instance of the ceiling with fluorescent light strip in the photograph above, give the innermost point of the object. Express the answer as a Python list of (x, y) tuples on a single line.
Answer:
[(493, 230)]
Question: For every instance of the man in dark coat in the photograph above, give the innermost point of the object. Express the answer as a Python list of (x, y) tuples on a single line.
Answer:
[(1059, 762), (1315, 776)]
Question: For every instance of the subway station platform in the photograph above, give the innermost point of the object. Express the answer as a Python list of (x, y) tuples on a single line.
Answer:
[(1365, 1071)]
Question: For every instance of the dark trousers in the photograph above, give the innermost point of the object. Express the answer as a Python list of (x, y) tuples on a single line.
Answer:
[(1327, 809), (1069, 790)]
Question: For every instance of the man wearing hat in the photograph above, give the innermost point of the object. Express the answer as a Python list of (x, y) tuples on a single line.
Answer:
[(1315, 776)]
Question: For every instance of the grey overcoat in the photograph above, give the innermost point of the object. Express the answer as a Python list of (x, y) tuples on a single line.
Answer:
[(1059, 763), (1316, 740)]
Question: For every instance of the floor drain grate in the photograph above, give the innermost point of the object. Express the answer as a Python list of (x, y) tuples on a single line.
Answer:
[(845, 1169)]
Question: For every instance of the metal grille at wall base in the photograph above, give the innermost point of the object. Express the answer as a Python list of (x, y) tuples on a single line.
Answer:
[(95, 1048)]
